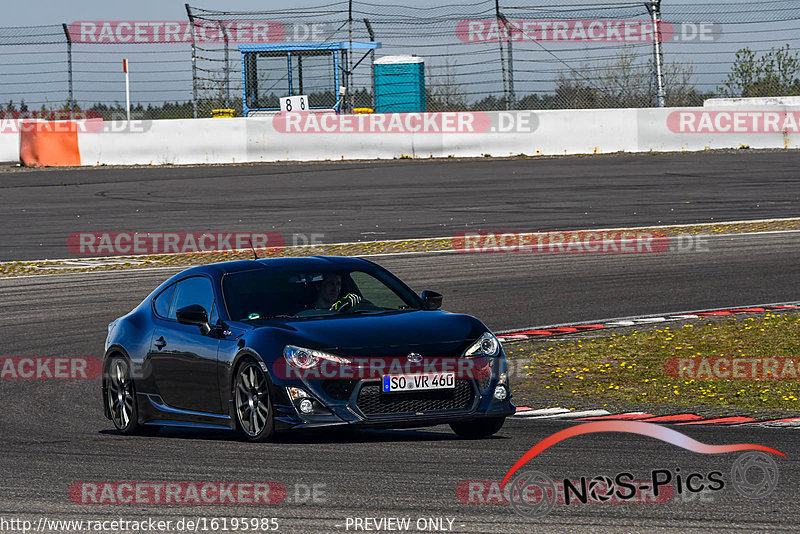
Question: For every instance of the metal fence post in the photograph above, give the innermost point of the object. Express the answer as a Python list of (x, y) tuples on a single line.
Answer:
[(372, 58), (227, 84), (71, 98), (349, 83), (194, 62), (509, 30), (654, 8), (500, 26)]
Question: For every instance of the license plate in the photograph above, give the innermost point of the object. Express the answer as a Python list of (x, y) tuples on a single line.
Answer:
[(393, 383)]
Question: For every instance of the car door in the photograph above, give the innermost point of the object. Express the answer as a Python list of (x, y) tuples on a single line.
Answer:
[(182, 359)]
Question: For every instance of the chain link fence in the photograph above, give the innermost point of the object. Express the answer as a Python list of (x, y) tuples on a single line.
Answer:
[(479, 55)]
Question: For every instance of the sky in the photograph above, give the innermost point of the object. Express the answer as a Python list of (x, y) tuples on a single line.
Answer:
[(32, 12), (163, 73)]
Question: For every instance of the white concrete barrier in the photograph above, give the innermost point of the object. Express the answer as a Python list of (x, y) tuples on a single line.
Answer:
[(166, 142), (9, 147), (9, 143), (466, 134), (695, 129)]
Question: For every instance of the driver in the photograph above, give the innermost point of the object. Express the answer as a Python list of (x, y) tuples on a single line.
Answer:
[(328, 291)]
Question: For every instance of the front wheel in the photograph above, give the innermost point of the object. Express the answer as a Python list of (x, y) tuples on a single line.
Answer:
[(479, 428), (121, 397), (252, 403)]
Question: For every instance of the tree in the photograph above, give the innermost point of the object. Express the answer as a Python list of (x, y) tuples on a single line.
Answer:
[(679, 86), (75, 106), (625, 82), (775, 73), (489, 103), (442, 92)]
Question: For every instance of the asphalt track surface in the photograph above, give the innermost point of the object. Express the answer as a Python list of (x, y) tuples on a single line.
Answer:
[(352, 201), (53, 433)]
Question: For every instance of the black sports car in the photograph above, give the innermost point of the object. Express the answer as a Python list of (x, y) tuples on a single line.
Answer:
[(269, 345)]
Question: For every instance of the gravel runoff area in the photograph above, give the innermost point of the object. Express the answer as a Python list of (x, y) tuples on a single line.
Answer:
[(663, 368)]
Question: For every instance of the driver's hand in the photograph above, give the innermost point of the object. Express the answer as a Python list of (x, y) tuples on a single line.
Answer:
[(348, 301)]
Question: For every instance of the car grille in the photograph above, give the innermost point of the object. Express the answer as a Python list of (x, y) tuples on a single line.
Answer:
[(372, 401)]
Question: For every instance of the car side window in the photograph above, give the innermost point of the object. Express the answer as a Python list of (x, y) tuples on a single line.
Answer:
[(195, 290), (376, 292), (163, 300)]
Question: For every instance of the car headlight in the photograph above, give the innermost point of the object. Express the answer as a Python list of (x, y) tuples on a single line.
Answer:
[(486, 345), (307, 358)]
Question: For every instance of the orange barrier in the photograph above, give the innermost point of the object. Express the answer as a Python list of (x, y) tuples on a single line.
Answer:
[(49, 144)]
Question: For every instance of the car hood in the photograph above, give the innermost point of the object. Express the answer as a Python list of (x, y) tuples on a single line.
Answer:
[(431, 333)]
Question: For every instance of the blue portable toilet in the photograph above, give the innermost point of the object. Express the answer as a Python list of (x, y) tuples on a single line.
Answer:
[(400, 84)]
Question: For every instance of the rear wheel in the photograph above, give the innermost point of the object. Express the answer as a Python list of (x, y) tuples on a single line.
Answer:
[(121, 398), (252, 403), (479, 428)]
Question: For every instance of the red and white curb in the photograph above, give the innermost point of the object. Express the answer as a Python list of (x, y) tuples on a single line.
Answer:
[(524, 412), (560, 330)]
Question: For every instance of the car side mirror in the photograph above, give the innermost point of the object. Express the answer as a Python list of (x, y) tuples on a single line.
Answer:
[(433, 300), (194, 315)]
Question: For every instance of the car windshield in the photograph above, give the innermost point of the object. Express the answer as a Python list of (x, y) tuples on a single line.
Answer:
[(265, 294)]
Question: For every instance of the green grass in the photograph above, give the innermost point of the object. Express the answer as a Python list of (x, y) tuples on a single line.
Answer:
[(630, 370)]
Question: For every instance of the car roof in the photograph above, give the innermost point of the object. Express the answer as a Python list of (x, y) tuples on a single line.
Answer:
[(310, 262)]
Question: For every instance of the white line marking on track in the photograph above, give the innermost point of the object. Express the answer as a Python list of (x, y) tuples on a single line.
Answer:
[(570, 415), (780, 424), (544, 411)]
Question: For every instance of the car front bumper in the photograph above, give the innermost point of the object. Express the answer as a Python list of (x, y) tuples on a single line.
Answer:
[(363, 405)]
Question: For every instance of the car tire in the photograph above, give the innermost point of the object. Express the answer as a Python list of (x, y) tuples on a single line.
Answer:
[(251, 400), (478, 428), (120, 393)]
